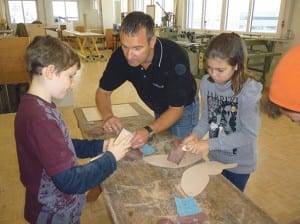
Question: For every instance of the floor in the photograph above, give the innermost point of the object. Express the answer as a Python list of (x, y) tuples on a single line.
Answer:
[(275, 186)]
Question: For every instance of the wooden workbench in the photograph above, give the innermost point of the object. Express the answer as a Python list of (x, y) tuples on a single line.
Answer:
[(87, 43), (260, 55), (140, 193)]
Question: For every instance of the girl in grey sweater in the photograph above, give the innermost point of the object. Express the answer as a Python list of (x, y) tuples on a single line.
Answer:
[(230, 110)]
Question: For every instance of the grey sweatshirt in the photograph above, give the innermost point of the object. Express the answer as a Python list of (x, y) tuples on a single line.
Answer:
[(233, 123)]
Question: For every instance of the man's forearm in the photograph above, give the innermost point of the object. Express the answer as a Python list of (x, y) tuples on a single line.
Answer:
[(167, 119), (103, 103)]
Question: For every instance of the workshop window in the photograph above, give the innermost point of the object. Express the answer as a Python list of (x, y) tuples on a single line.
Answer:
[(234, 15), (22, 11), (64, 11), (124, 6), (237, 15), (265, 16), (212, 15), (96, 4), (195, 15)]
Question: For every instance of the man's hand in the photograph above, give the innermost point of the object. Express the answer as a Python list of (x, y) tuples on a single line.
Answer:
[(140, 138), (112, 124)]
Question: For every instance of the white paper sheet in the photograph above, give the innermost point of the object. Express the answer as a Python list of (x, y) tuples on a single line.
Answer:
[(119, 110)]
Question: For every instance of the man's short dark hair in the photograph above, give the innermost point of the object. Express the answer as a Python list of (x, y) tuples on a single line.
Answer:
[(135, 21)]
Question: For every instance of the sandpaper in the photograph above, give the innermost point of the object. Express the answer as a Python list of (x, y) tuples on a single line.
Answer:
[(133, 154), (190, 219), (123, 134), (165, 221), (176, 153)]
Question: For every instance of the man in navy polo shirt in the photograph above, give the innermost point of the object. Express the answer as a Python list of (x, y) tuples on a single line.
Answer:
[(159, 70)]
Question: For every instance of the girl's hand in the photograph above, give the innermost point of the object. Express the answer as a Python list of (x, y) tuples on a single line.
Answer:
[(198, 146), (195, 145), (189, 141)]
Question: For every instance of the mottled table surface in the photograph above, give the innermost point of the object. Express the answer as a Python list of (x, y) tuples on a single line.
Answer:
[(141, 193)]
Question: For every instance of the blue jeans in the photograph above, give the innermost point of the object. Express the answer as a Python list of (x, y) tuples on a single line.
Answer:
[(239, 180), (190, 117)]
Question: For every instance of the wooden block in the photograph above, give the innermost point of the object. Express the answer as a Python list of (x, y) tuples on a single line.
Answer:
[(133, 154), (198, 218)]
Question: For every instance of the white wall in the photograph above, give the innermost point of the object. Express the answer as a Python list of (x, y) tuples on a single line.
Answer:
[(292, 16), (2, 9), (181, 14), (108, 14), (117, 11), (295, 29)]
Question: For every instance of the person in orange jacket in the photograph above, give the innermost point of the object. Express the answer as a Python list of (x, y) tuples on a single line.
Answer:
[(284, 94)]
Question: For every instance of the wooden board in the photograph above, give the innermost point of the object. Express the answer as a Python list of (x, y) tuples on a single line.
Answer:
[(35, 30), (131, 123), (195, 179), (12, 66), (119, 110)]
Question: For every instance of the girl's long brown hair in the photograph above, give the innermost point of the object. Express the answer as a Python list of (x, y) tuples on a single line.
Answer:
[(231, 47)]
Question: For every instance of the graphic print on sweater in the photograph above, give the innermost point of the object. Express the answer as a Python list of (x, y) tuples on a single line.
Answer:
[(222, 115)]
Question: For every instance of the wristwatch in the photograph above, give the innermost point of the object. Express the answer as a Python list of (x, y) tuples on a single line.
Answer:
[(151, 132)]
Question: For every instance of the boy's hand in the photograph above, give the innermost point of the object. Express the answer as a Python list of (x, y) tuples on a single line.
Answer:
[(105, 145), (120, 148)]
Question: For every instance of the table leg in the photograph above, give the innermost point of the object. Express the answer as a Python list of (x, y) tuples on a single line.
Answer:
[(94, 193), (94, 48), (82, 44), (7, 98)]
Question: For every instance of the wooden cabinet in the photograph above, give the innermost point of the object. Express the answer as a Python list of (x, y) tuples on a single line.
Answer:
[(12, 72), (109, 38)]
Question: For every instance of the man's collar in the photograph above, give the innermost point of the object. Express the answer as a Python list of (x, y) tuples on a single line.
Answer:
[(158, 53)]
